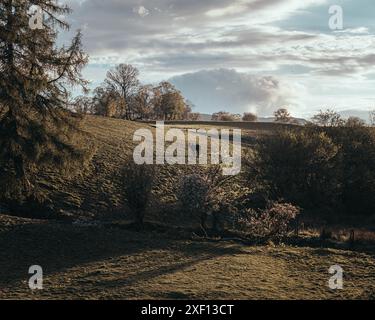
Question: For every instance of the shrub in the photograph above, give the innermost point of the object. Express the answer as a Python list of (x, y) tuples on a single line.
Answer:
[(354, 122), (357, 168), (137, 181), (225, 116), (272, 223), (250, 117), (204, 194), (193, 196), (323, 169), (298, 165)]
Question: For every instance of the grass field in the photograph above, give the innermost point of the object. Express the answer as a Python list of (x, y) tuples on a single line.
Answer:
[(104, 261), (110, 263)]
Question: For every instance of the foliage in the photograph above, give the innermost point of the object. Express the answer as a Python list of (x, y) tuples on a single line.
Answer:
[(82, 105), (225, 116), (272, 223), (123, 82), (122, 96), (194, 116), (136, 183), (282, 115), (354, 122), (299, 165), (318, 168), (36, 129), (357, 168), (205, 194), (251, 117), (328, 118)]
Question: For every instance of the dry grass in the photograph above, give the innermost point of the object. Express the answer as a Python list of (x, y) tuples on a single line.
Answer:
[(112, 263), (101, 263)]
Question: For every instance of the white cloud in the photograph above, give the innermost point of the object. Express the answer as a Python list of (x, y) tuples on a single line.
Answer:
[(236, 92), (142, 11)]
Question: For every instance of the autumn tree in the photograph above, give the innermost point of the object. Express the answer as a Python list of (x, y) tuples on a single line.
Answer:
[(107, 102), (123, 80), (169, 102), (35, 76), (143, 102)]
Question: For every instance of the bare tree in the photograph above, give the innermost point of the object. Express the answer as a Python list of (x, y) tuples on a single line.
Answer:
[(328, 118), (83, 105), (355, 122), (282, 115), (124, 80), (250, 117)]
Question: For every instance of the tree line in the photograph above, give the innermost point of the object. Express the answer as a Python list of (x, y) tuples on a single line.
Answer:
[(122, 96)]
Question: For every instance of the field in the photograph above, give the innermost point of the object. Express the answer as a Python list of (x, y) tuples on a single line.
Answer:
[(86, 253), (110, 263)]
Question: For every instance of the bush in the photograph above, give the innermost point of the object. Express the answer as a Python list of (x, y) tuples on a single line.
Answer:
[(282, 115), (193, 196), (355, 122), (298, 165), (225, 116), (330, 169), (137, 181), (357, 168), (272, 223), (204, 194), (249, 117)]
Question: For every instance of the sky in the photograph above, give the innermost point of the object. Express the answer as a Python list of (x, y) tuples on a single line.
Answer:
[(238, 55)]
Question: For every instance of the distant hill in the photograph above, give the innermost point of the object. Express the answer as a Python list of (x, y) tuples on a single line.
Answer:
[(363, 114), (208, 117)]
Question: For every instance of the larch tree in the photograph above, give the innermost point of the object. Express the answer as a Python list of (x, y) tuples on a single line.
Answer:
[(36, 129)]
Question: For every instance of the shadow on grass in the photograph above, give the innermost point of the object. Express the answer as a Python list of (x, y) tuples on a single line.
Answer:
[(59, 247)]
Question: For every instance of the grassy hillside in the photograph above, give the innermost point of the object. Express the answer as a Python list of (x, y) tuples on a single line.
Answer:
[(104, 260), (95, 192)]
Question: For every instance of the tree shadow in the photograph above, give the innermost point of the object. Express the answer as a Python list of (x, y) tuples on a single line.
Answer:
[(59, 247)]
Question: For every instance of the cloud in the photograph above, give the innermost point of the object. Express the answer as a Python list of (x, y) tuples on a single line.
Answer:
[(142, 11), (287, 41), (232, 91)]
